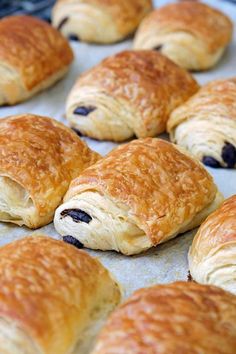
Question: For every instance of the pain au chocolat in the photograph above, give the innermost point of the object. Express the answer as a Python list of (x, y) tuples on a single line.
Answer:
[(99, 21), (129, 94), (52, 297), (172, 318), (33, 56), (38, 159), (192, 34), (140, 195), (205, 125)]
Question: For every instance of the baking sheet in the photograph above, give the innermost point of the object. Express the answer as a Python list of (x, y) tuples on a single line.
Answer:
[(167, 262)]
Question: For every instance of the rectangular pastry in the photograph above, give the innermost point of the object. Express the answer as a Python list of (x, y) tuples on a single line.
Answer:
[(38, 158), (140, 195), (51, 294)]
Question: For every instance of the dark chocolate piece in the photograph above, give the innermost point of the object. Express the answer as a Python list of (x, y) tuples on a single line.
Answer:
[(61, 24), (210, 161), (84, 111), (74, 37), (229, 155), (159, 47), (77, 215), (73, 241), (189, 276), (77, 132)]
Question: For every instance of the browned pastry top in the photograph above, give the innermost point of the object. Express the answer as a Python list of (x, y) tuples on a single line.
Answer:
[(178, 318), (161, 186), (216, 98), (43, 288), (42, 155), (208, 24), (33, 48), (146, 79)]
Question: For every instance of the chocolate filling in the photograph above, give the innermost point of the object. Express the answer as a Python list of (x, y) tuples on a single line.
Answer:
[(189, 276), (77, 215), (62, 23), (74, 37), (73, 241), (84, 111), (210, 161), (229, 155), (159, 47), (77, 131)]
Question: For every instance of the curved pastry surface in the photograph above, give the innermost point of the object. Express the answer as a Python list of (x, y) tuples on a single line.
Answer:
[(130, 93), (33, 56), (205, 125), (192, 34), (38, 159), (50, 293), (141, 194), (212, 256), (173, 318), (101, 21)]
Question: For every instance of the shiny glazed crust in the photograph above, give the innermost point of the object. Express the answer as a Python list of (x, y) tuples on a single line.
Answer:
[(212, 256), (134, 99), (101, 21), (33, 56), (192, 34), (50, 293), (38, 158), (169, 319), (207, 121), (160, 189)]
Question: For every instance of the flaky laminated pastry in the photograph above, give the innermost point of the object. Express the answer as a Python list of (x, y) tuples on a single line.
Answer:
[(192, 34), (52, 296), (130, 93), (212, 256), (33, 56), (141, 194), (168, 319), (99, 21), (205, 125), (38, 159)]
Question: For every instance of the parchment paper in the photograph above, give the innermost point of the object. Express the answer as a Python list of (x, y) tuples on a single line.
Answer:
[(167, 262)]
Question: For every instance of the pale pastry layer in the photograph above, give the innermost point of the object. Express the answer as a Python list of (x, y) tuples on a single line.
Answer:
[(111, 118), (181, 47), (217, 268), (14, 340), (112, 227), (16, 205), (13, 89), (206, 137), (89, 23)]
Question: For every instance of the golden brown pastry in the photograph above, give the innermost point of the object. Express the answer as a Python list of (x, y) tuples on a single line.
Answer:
[(51, 297), (99, 21), (142, 194), (130, 93), (183, 318), (38, 159), (33, 56), (212, 256), (192, 34), (205, 125)]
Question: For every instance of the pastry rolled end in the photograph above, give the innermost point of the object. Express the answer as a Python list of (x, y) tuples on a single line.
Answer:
[(212, 256), (99, 21), (98, 223)]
